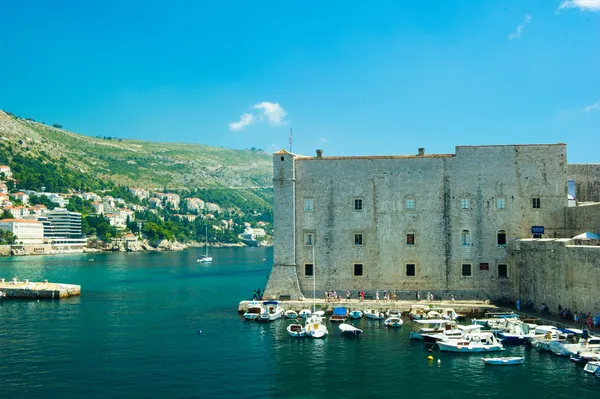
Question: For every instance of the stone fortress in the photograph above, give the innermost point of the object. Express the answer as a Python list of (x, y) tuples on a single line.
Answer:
[(486, 222)]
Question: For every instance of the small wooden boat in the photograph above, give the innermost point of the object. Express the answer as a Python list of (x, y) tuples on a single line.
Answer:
[(296, 330), (356, 314), (592, 367), (374, 314), (340, 314), (290, 314), (393, 312), (348, 329), (503, 361)]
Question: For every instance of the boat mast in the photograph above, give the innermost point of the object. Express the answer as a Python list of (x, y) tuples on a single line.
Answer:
[(206, 239), (314, 283)]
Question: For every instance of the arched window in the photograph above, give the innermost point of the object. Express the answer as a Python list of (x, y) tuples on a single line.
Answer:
[(501, 238), (465, 238)]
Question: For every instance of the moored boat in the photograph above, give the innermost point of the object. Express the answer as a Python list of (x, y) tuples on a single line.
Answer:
[(374, 314), (253, 310), (592, 367), (348, 329), (290, 314), (431, 326), (296, 330), (304, 313), (271, 311), (356, 314), (503, 361), (393, 312), (340, 314), (314, 327), (393, 321), (474, 342)]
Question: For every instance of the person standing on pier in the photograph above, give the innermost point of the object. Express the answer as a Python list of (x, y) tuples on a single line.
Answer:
[(518, 303)]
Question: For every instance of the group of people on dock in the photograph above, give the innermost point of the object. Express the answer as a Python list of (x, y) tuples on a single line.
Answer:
[(582, 318)]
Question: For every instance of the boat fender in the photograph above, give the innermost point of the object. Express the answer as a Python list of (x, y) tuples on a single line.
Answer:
[(199, 332), (439, 361), (429, 357)]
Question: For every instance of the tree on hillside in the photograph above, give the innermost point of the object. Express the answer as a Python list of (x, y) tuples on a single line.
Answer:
[(57, 125), (7, 238), (42, 200), (6, 215)]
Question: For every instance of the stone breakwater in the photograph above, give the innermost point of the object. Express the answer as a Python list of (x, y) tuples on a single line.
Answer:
[(36, 290)]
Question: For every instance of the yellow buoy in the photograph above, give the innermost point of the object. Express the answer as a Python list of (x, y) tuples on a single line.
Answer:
[(430, 357)]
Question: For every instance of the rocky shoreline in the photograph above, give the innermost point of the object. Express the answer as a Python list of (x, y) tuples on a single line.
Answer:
[(158, 246)]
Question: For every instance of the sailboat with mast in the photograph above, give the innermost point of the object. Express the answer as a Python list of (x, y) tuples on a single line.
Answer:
[(315, 326), (205, 258)]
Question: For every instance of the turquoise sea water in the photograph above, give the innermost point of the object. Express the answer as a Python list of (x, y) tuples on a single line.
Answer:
[(134, 334)]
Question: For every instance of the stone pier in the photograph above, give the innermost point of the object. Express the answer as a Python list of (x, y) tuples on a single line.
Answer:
[(35, 290)]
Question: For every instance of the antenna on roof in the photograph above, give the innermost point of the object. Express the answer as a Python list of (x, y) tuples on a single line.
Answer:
[(290, 140)]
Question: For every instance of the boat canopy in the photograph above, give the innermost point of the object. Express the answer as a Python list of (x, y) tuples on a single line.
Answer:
[(432, 321), (271, 303), (341, 311)]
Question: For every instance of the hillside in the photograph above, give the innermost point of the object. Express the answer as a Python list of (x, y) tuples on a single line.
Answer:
[(95, 163)]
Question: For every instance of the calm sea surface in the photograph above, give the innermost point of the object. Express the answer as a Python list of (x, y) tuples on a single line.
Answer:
[(133, 333)]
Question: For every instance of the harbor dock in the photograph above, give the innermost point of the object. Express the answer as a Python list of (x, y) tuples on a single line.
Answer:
[(471, 308), (37, 290)]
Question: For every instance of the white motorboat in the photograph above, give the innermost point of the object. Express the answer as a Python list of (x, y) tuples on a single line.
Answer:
[(271, 311), (290, 314), (450, 314), (492, 320), (320, 313), (314, 327), (393, 321), (304, 313), (514, 331), (433, 326), (296, 330), (503, 361), (590, 344), (374, 314), (253, 310), (592, 367), (453, 332), (205, 258), (548, 338), (348, 329), (474, 342), (393, 312)]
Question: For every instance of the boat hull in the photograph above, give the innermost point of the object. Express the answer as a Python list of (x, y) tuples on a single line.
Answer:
[(503, 361), (444, 347)]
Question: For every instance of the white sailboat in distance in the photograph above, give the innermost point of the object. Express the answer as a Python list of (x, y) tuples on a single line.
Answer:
[(205, 258)]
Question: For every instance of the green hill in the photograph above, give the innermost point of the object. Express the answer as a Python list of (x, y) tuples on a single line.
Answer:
[(42, 155)]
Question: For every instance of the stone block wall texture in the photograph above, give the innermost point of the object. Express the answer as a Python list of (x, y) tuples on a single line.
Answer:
[(451, 193), (582, 219), (557, 273), (587, 181)]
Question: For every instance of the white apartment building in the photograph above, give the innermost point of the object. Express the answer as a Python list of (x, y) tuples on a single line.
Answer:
[(25, 231)]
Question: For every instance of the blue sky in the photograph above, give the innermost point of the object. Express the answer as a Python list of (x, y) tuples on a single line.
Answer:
[(351, 77)]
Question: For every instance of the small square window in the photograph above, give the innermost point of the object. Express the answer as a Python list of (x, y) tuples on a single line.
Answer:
[(358, 204), (358, 239), (535, 203), (309, 205), (410, 239), (501, 203), (464, 204), (502, 270), (501, 238), (358, 269), (308, 270), (465, 238), (410, 269), (282, 158), (466, 270), (309, 239), (410, 204)]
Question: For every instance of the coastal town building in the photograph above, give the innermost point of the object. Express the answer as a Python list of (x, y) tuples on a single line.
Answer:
[(58, 199), (140, 193), (445, 223), (98, 207), (210, 207), (25, 231), (21, 196), (5, 169), (3, 188), (195, 204), (63, 224)]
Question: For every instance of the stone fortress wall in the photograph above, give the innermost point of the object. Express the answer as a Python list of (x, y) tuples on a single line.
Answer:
[(486, 191)]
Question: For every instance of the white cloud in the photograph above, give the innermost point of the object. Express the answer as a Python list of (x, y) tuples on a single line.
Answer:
[(245, 120), (323, 140), (517, 34), (582, 5), (593, 107), (272, 111)]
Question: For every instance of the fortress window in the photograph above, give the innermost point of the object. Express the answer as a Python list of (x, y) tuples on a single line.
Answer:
[(358, 204), (501, 203), (410, 239), (409, 203), (358, 239), (358, 269), (308, 270), (309, 205), (466, 270), (501, 238), (464, 204), (465, 238), (308, 239), (282, 158), (535, 203), (502, 270), (410, 269)]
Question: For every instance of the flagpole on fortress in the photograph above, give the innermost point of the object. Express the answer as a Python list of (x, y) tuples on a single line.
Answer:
[(290, 140)]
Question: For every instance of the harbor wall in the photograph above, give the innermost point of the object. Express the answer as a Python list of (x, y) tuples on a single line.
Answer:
[(583, 218), (556, 272), (423, 196), (587, 181)]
